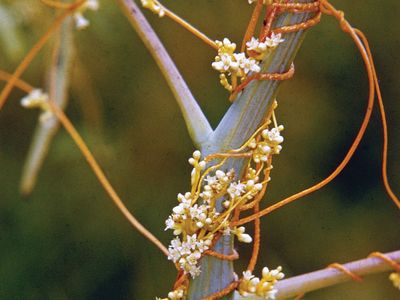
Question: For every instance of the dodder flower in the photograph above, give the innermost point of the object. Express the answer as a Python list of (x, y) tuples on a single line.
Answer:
[(253, 286), (38, 99), (80, 21), (233, 64)]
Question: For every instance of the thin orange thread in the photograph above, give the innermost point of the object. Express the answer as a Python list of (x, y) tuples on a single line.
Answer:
[(22, 85), (301, 26), (256, 242), (370, 72), (263, 76), (395, 265), (272, 11), (298, 7), (389, 190), (229, 257), (346, 271), (223, 292), (252, 24), (299, 297)]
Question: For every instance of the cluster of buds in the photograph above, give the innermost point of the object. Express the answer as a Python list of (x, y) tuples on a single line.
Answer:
[(215, 195), (80, 21), (261, 49), (241, 235), (216, 185), (190, 218), (269, 144), (198, 166), (38, 99), (154, 6), (195, 221), (253, 286), (236, 65), (239, 65), (242, 191), (177, 294)]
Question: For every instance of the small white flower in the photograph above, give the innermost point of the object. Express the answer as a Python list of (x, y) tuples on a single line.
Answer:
[(226, 46), (247, 275), (242, 237), (274, 40), (247, 64), (35, 99), (80, 21), (225, 63), (197, 154), (257, 46), (253, 286), (169, 223), (236, 189), (176, 294)]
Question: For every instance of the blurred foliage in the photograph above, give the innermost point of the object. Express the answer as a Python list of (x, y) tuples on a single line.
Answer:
[(67, 241)]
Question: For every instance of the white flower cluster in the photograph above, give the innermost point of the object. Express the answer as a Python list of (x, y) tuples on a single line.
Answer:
[(270, 144), (395, 279), (188, 252), (35, 99), (231, 63), (197, 164), (190, 218), (253, 286), (154, 6), (246, 190), (80, 21), (195, 218), (216, 184), (263, 48), (195, 221), (38, 99), (177, 294)]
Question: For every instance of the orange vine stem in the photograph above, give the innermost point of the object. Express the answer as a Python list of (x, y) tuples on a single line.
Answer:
[(346, 27)]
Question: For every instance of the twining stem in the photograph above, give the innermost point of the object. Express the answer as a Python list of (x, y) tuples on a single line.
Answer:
[(305, 283), (384, 123), (198, 125)]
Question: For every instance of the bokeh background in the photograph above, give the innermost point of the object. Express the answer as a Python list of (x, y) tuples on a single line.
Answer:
[(68, 241)]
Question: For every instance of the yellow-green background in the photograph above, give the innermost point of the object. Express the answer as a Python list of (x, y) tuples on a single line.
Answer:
[(68, 241)]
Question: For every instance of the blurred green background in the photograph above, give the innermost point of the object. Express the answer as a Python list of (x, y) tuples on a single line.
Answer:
[(68, 241)]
